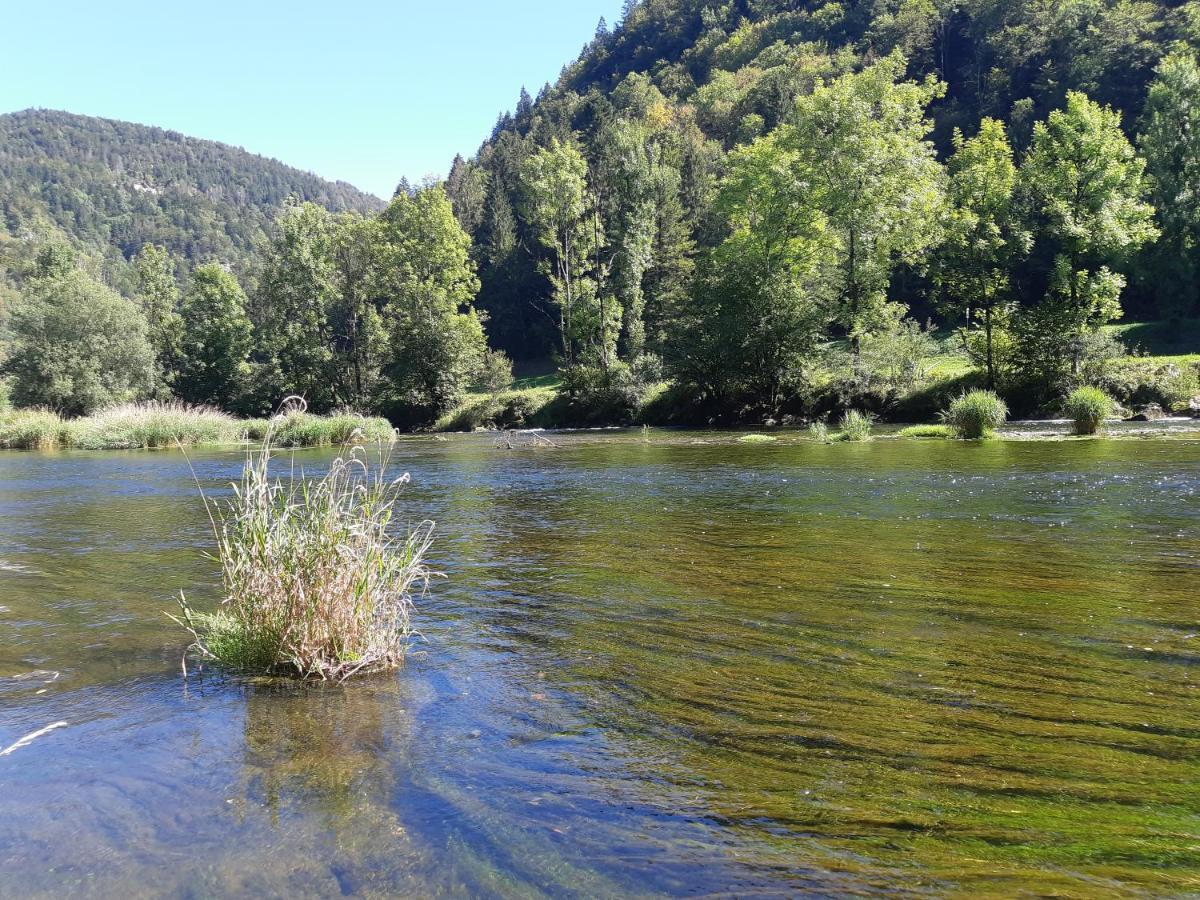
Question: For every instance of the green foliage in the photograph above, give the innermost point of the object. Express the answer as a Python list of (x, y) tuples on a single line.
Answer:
[(31, 429), (855, 427), (435, 339), (302, 429), (1170, 140), (1086, 186), (976, 415), (927, 431), (113, 187), (984, 238), (158, 294), (214, 340), (496, 374), (860, 150), (77, 345), (1087, 408), (757, 439), (318, 584), (564, 217)]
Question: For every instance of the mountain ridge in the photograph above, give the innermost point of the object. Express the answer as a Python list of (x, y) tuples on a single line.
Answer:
[(112, 186)]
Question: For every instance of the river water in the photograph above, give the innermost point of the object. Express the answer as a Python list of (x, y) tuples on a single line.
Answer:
[(663, 664)]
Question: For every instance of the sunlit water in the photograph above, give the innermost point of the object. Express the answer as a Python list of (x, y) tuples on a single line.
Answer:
[(674, 665)]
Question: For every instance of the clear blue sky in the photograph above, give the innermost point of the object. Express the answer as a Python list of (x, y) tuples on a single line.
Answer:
[(365, 91)]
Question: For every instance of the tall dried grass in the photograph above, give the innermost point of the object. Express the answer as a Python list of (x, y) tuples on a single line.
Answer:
[(317, 583)]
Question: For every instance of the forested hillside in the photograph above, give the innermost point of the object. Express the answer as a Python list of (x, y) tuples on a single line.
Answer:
[(113, 187), (656, 105), (721, 212)]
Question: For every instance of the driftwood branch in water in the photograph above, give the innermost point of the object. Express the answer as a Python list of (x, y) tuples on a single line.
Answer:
[(30, 738), (510, 440)]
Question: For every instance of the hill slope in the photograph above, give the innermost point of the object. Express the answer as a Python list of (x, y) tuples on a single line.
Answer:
[(113, 186)]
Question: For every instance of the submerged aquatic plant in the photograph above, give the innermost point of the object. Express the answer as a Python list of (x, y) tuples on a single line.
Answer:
[(317, 584), (976, 414), (1087, 408)]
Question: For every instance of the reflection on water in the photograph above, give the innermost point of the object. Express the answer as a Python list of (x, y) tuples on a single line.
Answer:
[(657, 667)]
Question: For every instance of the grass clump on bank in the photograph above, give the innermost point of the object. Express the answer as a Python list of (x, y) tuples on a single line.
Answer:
[(317, 585), (927, 431), (1087, 408), (31, 429), (975, 415)]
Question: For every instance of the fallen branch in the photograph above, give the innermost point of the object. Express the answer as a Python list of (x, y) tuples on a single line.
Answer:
[(30, 738)]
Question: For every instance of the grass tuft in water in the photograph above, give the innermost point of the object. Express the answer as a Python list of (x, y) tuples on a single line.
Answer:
[(976, 415), (317, 584), (757, 439), (298, 428), (927, 431), (819, 431), (1087, 408), (855, 427), (148, 426)]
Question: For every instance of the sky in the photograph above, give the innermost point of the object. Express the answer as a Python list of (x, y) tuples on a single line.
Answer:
[(364, 91)]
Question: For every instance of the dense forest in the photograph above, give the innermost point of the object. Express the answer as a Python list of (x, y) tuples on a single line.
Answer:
[(720, 212), (113, 187)]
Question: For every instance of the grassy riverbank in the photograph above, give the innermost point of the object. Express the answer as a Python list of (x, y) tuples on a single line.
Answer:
[(148, 426)]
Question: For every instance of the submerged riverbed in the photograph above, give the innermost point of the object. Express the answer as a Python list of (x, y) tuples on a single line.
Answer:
[(659, 665)]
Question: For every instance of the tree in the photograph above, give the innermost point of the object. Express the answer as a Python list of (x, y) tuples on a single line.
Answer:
[(1085, 184), (757, 310), (435, 339), (77, 344), (557, 204), (356, 308), (158, 294), (291, 308), (625, 172), (1170, 141), (215, 340), (861, 158), (982, 236)]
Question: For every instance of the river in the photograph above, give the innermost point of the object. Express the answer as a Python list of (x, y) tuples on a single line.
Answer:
[(658, 665)]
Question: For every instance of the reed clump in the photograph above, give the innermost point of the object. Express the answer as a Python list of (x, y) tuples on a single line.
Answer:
[(318, 584), (975, 415), (1087, 408), (151, 426), (31, 429), (298, 428), (855, 427)]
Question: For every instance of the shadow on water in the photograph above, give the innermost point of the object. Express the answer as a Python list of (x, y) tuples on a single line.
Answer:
[(657, 667)]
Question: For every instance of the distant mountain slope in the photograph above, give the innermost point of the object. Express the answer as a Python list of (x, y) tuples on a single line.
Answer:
[(114, 186)]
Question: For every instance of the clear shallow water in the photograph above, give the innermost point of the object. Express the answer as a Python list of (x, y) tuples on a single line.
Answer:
[(685, 666)]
